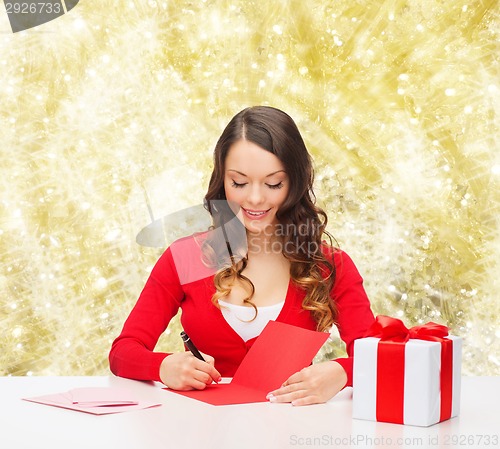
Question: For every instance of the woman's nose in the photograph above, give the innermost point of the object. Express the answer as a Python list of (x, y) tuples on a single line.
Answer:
[(256, 195)]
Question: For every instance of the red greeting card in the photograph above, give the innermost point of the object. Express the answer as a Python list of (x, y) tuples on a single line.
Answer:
[(280, 351)]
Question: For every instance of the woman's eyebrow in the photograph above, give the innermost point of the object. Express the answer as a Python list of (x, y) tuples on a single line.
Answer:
[(267, 176)]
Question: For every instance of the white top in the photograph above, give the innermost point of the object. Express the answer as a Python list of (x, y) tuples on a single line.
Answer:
[(240, 318)]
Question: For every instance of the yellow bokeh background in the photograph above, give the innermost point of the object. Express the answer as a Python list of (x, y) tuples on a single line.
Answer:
[(108, 119)]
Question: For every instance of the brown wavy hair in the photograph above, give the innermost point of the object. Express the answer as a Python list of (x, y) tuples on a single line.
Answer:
[(276, 132)]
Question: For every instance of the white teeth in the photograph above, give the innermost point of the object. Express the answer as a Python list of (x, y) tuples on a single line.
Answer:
[(256, 214)]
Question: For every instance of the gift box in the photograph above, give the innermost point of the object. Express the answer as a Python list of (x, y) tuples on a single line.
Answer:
[(406, 376)]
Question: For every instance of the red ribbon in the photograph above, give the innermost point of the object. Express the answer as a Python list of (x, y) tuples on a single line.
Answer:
[(393, 336)]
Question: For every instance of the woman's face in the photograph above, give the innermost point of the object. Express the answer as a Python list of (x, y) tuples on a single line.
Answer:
[(256, 181)]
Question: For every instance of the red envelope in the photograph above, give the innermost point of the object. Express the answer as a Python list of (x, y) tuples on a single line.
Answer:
[(280, 351)]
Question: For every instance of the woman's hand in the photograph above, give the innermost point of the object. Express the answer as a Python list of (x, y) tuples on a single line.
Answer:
[(312, 385), (183, 371)]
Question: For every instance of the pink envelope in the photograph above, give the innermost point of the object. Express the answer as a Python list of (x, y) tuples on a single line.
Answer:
[(97, 401), (280, 351)]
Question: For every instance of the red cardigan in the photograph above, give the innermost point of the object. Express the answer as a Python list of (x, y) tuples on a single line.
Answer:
[(176, 281)]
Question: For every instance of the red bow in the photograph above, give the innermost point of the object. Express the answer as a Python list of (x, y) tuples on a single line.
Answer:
[(391, 329)]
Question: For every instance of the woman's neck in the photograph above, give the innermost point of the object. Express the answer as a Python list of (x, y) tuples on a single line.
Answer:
[(264, 243)]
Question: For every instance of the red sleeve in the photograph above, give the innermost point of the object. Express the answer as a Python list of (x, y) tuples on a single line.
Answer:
[(132, 353), (353, 306)]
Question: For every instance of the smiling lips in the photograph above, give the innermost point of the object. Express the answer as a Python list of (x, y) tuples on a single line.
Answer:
[(255, 214)]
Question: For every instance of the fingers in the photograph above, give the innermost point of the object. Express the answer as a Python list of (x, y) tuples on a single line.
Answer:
[(312, 385), (206, 371), (292, 390), (183, 371), (294, 378), (197, 374), (299, 397), (211, 371)]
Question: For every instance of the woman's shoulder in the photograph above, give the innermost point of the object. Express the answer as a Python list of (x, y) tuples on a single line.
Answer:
[(187, 256), (335, 255), (189, 242), (330, 251)]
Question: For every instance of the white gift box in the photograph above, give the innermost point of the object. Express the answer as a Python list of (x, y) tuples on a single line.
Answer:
[(421, 381)]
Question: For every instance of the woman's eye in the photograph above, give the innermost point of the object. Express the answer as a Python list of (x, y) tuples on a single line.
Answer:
[(275, 186), (235, 184)]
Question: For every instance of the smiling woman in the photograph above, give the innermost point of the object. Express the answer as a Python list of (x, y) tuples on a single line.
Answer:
[(246, 183), (262, 166), (284, 271)]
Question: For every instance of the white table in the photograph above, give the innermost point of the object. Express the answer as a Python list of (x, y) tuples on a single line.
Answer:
[(181, 422)]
